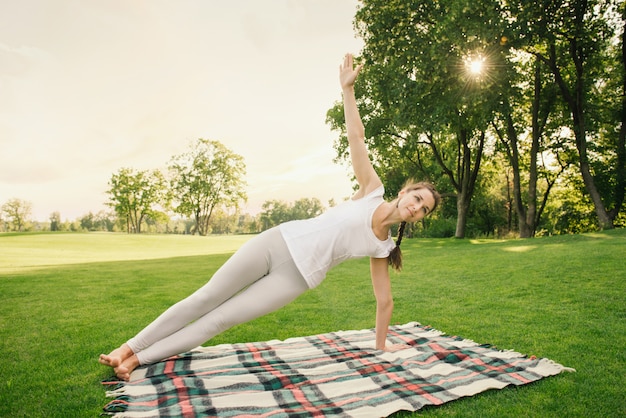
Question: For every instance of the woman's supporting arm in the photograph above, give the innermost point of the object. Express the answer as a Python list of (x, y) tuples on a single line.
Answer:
[(379, 268)]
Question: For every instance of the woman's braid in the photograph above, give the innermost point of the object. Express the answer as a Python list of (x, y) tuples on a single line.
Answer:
[(395, 256)]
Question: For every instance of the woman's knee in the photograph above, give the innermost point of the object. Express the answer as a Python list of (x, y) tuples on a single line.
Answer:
[(202, 300), (215, 323)]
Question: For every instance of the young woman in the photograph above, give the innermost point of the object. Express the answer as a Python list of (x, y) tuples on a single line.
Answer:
[(278, 265)]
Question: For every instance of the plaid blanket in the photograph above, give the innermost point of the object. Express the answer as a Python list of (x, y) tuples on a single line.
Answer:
[(337, 374)]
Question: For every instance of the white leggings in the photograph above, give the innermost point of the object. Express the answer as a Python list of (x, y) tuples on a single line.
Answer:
[(259, 278)]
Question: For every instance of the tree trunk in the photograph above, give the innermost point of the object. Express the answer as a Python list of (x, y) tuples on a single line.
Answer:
[(467, 176), (513, 152), (463, 179), (604, 220), (530, 223), (462, 207)]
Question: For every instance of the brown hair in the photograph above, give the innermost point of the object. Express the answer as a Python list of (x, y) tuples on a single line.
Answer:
[(395, 256)]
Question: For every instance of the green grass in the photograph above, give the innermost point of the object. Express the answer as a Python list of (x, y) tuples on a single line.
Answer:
[(29, 251), (68, 297)]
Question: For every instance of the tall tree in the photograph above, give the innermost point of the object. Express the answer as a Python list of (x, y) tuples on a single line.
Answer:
[(207, 176), (134, 195), (620, 164), (523, 126), (572, 39), (16, 212)]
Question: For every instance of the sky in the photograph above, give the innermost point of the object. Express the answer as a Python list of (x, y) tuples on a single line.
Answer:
[(89, 87)]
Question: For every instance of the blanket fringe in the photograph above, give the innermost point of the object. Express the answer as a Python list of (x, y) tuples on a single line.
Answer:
[(117, 406), (116, 392), (115, 389), (545, 364)]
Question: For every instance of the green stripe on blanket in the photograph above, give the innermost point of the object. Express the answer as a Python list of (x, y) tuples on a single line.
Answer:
[(338, 374)]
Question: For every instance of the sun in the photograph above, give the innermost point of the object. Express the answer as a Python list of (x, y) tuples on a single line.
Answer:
[(475, 65)]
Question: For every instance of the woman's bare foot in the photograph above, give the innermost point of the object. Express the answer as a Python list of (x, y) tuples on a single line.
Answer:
[(124, 370), (116, 357)]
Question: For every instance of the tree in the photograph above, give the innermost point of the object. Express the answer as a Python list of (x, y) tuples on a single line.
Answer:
[(16, 213), (248, 224), (87, 222), (55, 221), (223, 222), (207, 176), (573, 40), (421, 94), (104, 221), (274, 213), (134, 195), (531, 137), (157, 221)]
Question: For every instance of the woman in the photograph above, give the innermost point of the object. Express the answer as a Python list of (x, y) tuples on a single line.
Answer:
[(278, 265)]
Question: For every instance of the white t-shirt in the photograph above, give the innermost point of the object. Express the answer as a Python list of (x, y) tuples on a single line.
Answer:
[(341, 233)]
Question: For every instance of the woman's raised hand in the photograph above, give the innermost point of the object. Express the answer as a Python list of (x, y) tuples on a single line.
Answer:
[(347, 72)]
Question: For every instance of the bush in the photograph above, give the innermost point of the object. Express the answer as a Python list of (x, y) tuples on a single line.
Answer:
[(435, 228)]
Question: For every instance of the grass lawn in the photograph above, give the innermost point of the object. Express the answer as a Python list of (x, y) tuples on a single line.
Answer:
[(68, 297)]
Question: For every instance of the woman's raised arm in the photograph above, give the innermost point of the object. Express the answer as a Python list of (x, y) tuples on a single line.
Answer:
[(363, 170)]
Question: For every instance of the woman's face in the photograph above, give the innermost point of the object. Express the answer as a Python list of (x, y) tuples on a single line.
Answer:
[(414, 205)]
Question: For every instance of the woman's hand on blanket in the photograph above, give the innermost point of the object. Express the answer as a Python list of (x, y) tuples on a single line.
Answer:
[(396, 347)]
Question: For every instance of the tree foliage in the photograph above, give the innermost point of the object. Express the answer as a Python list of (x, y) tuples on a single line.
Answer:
[(576, 41), (55, 221), (427, 115), (15, 213), (207, 176), (447, 85), (136, 195), (276, 212)]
